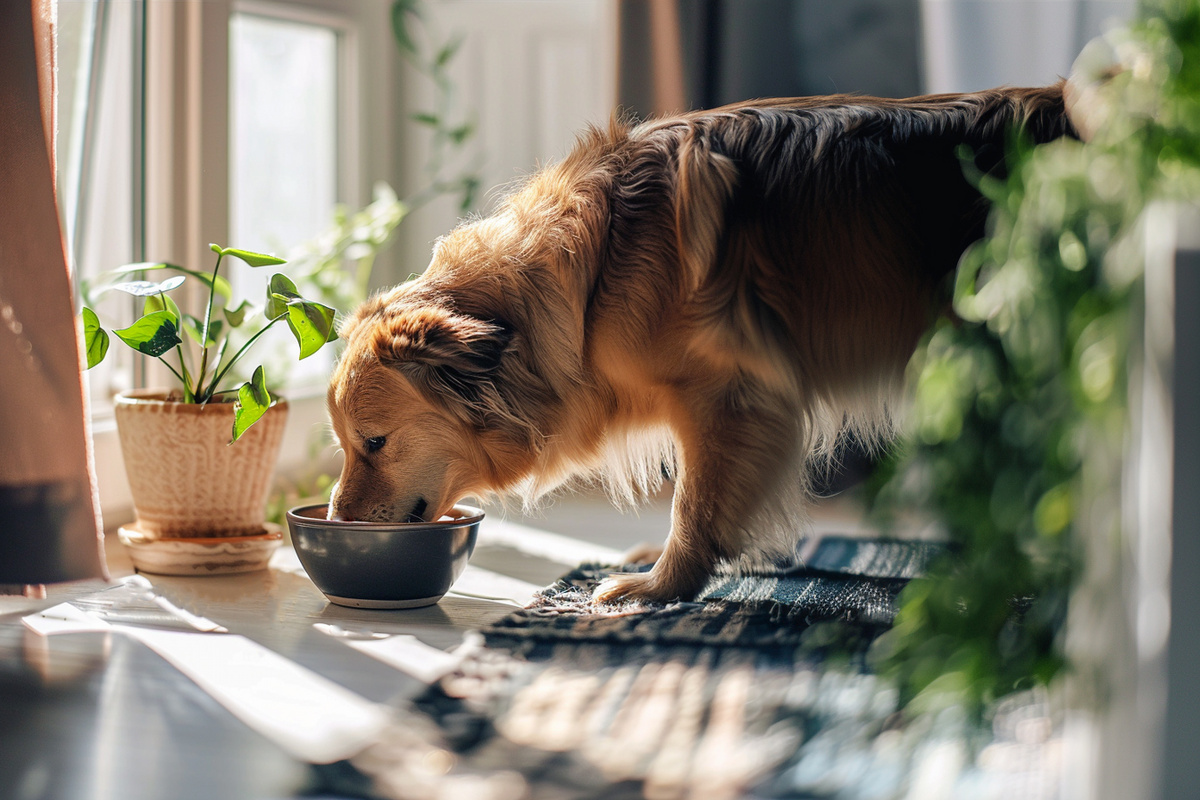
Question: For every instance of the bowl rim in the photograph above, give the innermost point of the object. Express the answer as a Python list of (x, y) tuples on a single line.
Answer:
[(474, 515)]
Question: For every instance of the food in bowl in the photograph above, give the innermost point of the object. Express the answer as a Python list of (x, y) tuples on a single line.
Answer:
[(383, 564)]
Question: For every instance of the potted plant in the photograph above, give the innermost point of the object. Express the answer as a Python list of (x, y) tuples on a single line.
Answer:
[(200, 456)]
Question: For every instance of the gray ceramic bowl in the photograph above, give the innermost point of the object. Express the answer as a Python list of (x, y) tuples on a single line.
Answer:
[(383, 564)]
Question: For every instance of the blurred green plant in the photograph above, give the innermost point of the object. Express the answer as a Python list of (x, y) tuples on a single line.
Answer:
[(1020, 415), (431, 54)]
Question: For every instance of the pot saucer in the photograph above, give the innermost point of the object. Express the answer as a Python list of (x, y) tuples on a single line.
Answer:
[(226, 555)]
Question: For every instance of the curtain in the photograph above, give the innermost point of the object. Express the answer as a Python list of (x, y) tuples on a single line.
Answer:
[(683, 54), (49, 525)]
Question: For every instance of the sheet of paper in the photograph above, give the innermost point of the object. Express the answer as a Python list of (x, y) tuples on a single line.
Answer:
[(64, 618)]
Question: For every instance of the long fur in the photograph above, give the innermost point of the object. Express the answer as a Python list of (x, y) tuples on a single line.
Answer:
[(726, 293)]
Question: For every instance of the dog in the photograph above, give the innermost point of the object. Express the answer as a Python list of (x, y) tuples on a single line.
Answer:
[(722, 295)]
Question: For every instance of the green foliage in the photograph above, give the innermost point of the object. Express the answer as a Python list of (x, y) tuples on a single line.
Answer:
[(253, 401), (152, 335), (1020, 414), (94, 337), (156, 332), (432, 54)]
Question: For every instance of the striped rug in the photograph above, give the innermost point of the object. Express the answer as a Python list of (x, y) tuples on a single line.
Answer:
[(847, 580)]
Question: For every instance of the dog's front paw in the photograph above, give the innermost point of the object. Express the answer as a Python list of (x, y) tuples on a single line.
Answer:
[(632, 587)]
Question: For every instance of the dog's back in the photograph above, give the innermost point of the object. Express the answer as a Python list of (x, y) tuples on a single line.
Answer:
[(814, 234)]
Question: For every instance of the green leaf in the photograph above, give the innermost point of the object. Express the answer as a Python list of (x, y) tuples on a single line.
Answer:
[(254, 259), (235, 316), (253, 400), (470, 189), (448, 50), (280, 292), (148, 288), (461, 133), (312, 325), (153, 334), (157, 302), (105, 281), (401, 9), (425, 118), (95, 340), (195, 330)]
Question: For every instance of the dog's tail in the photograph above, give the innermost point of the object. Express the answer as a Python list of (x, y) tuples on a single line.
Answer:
[(1039, 113)]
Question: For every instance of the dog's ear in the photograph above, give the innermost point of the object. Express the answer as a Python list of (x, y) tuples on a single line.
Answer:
[(432, 336)]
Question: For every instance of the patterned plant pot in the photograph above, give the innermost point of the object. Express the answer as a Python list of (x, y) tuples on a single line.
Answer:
[(200, 501)]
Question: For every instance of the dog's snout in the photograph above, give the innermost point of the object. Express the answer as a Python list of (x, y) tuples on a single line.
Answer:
[(332, 511)]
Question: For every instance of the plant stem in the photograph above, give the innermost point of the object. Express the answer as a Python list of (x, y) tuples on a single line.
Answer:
[(362, 282), (216, 368), (175, 372), (212, 291), (242, 350), (189, 394)]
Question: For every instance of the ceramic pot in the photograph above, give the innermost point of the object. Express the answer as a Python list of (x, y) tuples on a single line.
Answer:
[(196, 496)]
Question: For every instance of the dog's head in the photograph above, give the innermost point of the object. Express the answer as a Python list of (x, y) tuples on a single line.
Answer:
[(415, 406)]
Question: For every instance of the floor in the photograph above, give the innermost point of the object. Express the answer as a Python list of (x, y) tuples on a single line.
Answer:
[(104, 715)]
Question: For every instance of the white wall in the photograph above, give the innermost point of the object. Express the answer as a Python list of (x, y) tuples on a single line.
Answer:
[(532, 73), (971, 45)]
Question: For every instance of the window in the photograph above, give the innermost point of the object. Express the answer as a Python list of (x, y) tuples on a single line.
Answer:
[(185, 123), (99, 164), (285, 170)]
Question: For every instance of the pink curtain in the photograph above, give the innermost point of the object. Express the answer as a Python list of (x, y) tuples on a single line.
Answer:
[(49, 527)]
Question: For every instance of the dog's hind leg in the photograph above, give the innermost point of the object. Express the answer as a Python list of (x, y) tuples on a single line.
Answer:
[(730, 464)]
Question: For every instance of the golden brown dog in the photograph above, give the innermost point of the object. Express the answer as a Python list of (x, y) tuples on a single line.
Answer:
[(725, 292)]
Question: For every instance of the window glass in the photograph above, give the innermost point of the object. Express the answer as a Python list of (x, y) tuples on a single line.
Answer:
[(99, 149), (283, 154)]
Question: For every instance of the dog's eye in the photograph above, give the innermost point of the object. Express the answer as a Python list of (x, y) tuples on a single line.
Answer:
[(375, 443)]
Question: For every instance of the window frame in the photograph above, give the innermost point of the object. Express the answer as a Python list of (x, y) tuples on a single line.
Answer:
[(184, 200)]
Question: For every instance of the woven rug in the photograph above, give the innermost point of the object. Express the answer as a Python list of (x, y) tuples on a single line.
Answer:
[(848, 580), (712, 700)]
